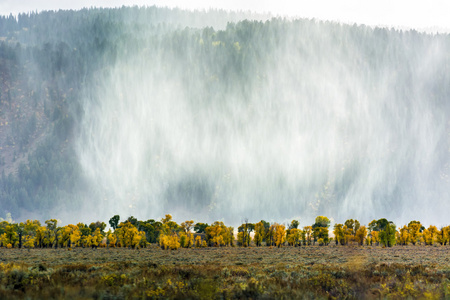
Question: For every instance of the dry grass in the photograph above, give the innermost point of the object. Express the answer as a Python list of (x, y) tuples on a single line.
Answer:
[(303, 272)]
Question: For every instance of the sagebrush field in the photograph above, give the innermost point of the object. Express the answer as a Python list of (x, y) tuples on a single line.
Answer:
[(352, 272)]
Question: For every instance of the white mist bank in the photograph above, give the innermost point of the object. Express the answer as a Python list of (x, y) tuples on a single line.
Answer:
[(309, 134)]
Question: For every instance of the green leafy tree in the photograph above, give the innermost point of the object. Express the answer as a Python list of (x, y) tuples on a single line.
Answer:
[(387, 231), (200, 227), (246, 228), (100, 225), (114, 221), (320, 229), (294, 224), (260, 233)]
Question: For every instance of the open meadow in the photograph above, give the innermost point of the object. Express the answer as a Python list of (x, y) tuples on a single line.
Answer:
[(352, 272)]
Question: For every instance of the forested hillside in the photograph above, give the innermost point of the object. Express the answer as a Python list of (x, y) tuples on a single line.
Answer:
[(46, 61), (146, 110)]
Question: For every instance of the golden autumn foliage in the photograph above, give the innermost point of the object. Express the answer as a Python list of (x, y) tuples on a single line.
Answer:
[(215, 232), (187, 239), (112, 238), (259, 233), (403, 236), (280, 235), (339, 234), (28, 242), (198, 242), (169, 241), (361, 234), (135, 234), (219, 234), (308, 234), (430, 235), (294, 237), (69, 235), (375, 238), (443, 236), (129, 235), (414, 230)]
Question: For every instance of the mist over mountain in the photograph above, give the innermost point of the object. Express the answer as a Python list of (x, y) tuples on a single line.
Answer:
[(221, 116)]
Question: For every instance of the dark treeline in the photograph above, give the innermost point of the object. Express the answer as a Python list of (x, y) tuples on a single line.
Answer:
[(134, 233), (50, 60)]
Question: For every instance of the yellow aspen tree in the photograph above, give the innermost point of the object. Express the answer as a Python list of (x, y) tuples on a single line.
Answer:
[(280, 235), (426, 235), (66, 233), (414, 229), (120, 234), (169, 241), (443, 235), (187, 228), (430, 234), (228, 236), (446, 235), (198, 241), (112, 238), (164, 241), (64, 236), (240, 238), (294, 237), (308, 234), (3, 240), (218, 234), (174, 242), (31, 228), (403, 236), (270, 239), (75, 237), (136, 239), (214, 232), (339, 234), (246, 228), (218, 240), (166, 219), (52, 232), (375, 237), (11, 234), (28, 242), (97, 238), (183, 240), (88, 240), (142, 239), (348, 234), (190, 240), (361, 234), (130, 235), (259, 233), (40, 236)]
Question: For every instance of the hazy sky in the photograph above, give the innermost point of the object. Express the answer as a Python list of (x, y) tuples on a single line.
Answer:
[(430, 15)]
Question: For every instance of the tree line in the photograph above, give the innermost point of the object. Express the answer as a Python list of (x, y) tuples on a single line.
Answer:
[(168, 234)]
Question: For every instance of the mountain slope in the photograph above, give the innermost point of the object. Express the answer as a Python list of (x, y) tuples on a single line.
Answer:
[(142, 111)]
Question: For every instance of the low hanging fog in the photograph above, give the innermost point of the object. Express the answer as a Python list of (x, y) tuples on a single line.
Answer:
[(270, 120)]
